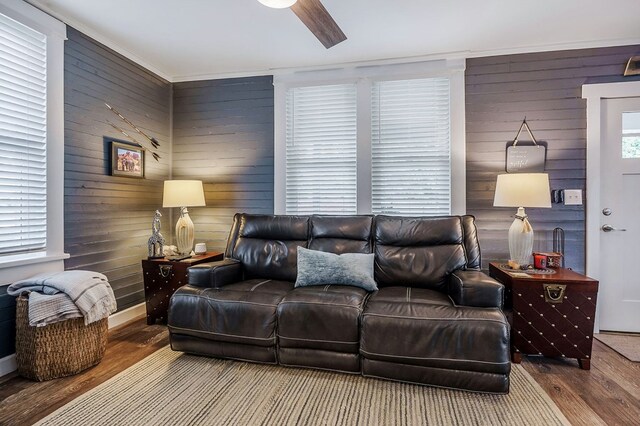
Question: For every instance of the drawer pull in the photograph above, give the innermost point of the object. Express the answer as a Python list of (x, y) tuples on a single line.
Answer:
[(554, 293), (165, 270)]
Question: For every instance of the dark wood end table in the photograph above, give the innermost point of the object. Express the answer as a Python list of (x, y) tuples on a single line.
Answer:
[(162, 277), (550, 314)]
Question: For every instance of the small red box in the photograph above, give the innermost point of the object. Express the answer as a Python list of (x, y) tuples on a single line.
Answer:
[(540, 261), (554, 260)]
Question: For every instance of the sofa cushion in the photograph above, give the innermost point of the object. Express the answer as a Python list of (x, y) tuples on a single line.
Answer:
[(244, 312), (320, 268), (418, 251), (341, 234), (326, 317), (267, 245), (422, 327)]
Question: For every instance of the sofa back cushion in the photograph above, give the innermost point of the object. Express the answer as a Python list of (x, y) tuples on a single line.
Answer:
[(418, 251), (267, 245), (341, 234)]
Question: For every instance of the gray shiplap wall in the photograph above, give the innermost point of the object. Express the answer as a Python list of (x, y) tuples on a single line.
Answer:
[(547, 89), (107, 219), (223, 135), (7, 323)]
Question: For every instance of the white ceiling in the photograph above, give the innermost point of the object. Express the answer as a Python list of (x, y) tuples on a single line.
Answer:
[(197, 39)]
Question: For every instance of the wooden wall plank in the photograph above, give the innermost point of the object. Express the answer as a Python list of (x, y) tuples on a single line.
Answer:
[(546, 88), (7, 323), (223, 134), (108, 218)]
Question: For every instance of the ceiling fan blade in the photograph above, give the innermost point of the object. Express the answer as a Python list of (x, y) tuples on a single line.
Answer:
[(313, 14)]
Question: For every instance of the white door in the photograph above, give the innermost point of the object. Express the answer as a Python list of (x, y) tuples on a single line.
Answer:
[(620, 215)]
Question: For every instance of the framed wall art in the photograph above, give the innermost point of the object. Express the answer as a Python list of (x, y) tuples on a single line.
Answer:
[(127, 160)]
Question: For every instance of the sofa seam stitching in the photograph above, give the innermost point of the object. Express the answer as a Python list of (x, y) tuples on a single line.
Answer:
[(436, 319), (225, 301), (221, 334), (316, 340), (362, 351)]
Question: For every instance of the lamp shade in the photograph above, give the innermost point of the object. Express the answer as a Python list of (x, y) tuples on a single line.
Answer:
[(278, 4), (522, 190), (183, 193)]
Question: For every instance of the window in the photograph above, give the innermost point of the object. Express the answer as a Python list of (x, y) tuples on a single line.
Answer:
[(631, 134), (321, 150), (382, 140), (23, 121), (410, 147), (31, 136)]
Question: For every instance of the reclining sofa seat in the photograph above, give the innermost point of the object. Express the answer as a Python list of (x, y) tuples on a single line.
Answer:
[(416, 327), (435, 320), (228, 310)]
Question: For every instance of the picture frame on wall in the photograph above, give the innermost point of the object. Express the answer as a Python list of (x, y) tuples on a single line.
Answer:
[(127, 160)]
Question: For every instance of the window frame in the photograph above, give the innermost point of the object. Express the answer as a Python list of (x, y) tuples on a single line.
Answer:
[(20, 265), (363, 76)]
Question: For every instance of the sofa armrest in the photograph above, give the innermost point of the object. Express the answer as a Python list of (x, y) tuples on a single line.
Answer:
[(215, 274), (475, 288)]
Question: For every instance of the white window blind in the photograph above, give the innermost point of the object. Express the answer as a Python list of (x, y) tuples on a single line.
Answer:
[(23, 219), (321, 150), (410, 147)]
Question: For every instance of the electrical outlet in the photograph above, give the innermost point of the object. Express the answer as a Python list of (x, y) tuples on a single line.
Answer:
[(573, 197)]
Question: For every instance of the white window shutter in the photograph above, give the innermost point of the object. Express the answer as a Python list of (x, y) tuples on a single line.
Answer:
[(410, 147), (321, 150), (23, 220)]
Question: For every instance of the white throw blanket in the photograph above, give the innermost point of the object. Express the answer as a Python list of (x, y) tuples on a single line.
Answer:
[(56, 296)]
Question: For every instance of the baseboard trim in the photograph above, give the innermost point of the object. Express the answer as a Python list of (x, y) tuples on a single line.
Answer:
[(129, 314), (8, 364)]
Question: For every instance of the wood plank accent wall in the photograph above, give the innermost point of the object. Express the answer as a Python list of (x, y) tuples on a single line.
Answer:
[(7, 323), (547, 89), (107, 219), (223, 135)]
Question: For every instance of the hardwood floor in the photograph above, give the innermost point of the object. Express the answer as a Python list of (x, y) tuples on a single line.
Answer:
[(23, 402), (608, 394)]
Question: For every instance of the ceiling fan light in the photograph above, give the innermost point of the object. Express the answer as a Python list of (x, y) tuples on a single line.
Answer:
[(278, 4)]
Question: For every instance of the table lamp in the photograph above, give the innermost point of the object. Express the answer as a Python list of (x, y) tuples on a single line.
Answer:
[(522, 190), (183, 194)]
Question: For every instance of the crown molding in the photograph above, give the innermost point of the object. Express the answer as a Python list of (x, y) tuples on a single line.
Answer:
[(549, 47), (409, 59), (554, 47), (104, 40)]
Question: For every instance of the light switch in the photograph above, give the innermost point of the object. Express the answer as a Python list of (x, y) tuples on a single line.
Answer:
[(573, 197)]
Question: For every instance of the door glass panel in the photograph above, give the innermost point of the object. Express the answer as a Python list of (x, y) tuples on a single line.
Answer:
[(631, 134)]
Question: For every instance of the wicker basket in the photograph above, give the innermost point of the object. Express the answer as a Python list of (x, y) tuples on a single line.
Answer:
[(59, 349)]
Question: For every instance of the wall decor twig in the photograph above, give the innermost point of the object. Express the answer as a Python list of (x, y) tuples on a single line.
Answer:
[(153, 140), (155, 156)]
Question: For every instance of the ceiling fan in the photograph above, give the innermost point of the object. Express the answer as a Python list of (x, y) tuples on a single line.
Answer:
[(313, 14)]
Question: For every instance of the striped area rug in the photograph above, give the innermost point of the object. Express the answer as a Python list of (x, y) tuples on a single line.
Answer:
[(170, 388)]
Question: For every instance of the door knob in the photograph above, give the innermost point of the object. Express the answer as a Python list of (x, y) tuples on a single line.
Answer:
[(609, 228)]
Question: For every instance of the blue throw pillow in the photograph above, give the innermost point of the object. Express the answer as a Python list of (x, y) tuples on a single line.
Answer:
[(322, 268)]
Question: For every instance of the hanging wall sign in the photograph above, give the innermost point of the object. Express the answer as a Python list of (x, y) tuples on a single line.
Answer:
[(526, 157)]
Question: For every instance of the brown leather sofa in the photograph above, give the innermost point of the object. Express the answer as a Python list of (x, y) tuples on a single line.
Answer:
[(435, 320)]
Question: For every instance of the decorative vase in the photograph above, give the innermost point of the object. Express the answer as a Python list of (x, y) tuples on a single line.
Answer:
[(184, 232), (521, 239)]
